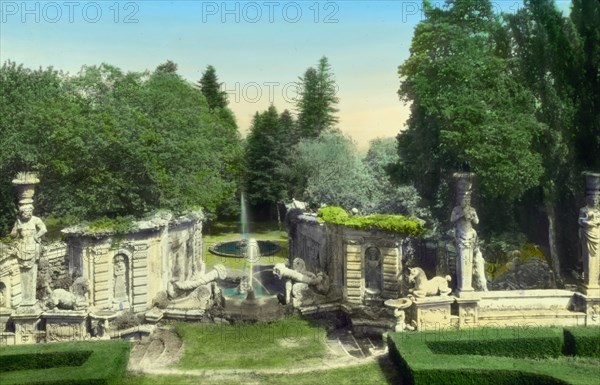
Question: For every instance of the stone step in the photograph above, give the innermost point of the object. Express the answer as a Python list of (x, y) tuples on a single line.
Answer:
[(153, 352), (173, 347), (138, 351)]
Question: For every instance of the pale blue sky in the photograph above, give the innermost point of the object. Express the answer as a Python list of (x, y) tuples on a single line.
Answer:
[(257, 56)]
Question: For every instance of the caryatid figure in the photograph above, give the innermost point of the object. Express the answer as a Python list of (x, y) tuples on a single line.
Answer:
[(28, 231), (589, 234), (469, 260)]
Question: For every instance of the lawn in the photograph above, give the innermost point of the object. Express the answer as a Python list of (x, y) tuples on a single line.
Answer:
[(292, 342), (230, 231), (371, 373)]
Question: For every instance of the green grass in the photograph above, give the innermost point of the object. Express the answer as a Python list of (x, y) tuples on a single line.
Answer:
[(373, 373), (292, 342), (448, 357), (45, 363), (230, 231)]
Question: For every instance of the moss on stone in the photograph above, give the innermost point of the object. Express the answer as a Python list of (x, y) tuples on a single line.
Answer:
[(387, 222)]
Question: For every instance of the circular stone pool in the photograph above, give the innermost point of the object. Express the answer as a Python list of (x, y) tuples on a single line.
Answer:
[(235, 248)]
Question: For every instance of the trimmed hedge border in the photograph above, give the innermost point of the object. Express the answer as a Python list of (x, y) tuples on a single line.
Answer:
[(493, 356), (105, 363), (43, 360), (582, 342)]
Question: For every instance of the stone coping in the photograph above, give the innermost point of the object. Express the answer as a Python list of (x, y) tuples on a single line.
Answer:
[(536, 293), (433, 300), (155, 223)]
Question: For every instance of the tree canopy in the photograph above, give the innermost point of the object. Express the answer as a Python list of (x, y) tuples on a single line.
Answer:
[(108, 143)]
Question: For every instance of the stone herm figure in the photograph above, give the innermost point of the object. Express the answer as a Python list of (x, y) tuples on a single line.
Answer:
[(469, 258), (589, 233), (28, 230)]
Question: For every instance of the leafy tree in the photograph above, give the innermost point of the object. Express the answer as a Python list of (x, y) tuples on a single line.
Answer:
[(546, 56), (387, 197), (467, 112), (333, 171), (112, 144), (317, 102), (556, 58), (585, 15)]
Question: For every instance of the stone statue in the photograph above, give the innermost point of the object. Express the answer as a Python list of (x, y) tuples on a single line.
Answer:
[(199, 292), (74, 299), (589, 233), (427, 287), (120, 294), (302, 287), (373, 269), (469, 260), (28, 230)]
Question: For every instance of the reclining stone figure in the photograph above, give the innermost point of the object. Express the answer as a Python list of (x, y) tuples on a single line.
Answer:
[(73, 299), (302, 287), (200, 288)]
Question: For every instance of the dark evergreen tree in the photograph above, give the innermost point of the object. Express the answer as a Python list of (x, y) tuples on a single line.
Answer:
[(317, 101), (211, 89), (167, 67)]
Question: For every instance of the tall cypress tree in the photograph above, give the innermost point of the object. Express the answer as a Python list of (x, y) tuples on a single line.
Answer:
[(211, 89), (317, 103)]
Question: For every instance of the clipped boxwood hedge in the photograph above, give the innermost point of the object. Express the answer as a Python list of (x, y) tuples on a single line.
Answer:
[(549, 346), (387, 222), (100, 363), (582, 341), (43, 360), (459, 357)]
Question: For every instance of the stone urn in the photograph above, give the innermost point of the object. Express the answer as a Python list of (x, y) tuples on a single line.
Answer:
[(25, 183), (399, 307)]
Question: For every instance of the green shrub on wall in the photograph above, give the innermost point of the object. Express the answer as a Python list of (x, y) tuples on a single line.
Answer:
[(387, 222)]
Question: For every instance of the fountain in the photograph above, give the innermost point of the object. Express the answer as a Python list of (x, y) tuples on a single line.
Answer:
[(251, 298)]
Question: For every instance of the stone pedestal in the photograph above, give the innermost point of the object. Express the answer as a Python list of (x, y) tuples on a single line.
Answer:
[(588, 305), (26, 327), (468, 314), (399, 307), (592, 291), (66, 326), (431, 313)]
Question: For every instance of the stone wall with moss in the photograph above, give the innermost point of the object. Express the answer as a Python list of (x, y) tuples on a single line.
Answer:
[(361, 261)]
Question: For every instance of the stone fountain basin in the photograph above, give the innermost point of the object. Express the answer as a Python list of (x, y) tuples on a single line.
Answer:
[(265, 307), (400, 303), (234, 248)]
